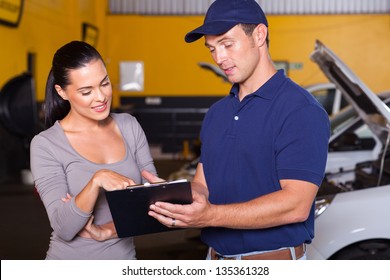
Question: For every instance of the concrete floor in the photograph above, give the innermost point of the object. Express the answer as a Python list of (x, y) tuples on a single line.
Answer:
[(25, 229)]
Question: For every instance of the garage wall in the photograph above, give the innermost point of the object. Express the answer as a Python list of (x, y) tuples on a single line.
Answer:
[(276, 7), (46, 25), (171, 65)]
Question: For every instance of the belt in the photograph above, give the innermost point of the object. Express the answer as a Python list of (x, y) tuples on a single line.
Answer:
[(283, 254)]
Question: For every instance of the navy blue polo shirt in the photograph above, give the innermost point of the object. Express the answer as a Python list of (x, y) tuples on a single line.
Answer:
[(278, 132)]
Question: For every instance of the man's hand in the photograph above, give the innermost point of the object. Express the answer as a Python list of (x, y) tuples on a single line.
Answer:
[(198, 214)]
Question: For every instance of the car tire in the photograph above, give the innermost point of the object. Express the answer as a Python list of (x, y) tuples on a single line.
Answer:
[(376, 249)]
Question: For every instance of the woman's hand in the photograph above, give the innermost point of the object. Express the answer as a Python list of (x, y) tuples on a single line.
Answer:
[(67, 198), (98, 232), (110, 180), (150, 177)]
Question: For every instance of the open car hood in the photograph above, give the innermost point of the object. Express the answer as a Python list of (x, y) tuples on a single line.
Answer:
[(373, 111)]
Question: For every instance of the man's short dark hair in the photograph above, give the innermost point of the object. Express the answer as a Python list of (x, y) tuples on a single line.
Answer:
[(248, 29)]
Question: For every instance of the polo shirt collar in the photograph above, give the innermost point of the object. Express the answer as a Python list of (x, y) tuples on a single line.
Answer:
[(266, 91)]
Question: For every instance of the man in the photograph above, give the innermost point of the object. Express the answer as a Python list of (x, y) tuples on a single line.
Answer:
[(264, 148)]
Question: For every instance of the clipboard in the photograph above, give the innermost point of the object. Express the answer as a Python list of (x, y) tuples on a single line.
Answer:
[(129, 207)]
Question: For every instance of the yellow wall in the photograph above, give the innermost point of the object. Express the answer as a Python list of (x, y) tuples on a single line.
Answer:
[(170, 63), (45, 26), (362, 41)]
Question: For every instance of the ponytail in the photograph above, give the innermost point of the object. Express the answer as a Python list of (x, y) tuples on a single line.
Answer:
[(55, 108)]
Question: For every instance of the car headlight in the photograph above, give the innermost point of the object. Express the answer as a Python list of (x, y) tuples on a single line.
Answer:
[(321, 204)]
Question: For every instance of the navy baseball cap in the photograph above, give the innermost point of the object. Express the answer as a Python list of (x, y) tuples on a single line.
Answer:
[(223, 15)]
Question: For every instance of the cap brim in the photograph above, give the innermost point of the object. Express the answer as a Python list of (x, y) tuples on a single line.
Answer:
[(210, 28)]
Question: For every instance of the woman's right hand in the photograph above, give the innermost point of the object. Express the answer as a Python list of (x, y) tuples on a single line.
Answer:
[(110, 180), (106, 179), (150, 177)]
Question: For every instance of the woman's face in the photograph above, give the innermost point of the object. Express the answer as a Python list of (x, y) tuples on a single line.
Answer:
[(89, 92)]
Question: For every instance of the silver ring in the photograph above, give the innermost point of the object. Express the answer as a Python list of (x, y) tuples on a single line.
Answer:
[(173, 222)]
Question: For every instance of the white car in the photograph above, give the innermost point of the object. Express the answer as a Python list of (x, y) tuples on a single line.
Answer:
[(329, 96), (351, 142), (351, 214)]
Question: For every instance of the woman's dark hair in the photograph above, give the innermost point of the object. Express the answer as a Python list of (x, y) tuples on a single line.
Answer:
[(73, 55)]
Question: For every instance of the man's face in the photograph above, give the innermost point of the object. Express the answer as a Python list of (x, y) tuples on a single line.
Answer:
[(235, 53)]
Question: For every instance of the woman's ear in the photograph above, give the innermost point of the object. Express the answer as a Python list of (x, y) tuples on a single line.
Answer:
[(61, 92)]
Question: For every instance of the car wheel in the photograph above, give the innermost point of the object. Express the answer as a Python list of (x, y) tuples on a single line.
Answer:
[(367, 250)]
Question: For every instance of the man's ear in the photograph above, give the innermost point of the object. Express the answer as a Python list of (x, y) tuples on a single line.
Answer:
[(61, 92), (260, 33)]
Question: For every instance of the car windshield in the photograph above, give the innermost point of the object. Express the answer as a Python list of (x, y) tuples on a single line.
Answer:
[(343, 119)]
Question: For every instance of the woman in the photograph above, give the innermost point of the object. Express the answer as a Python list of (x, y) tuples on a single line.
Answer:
[(85, 151)]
